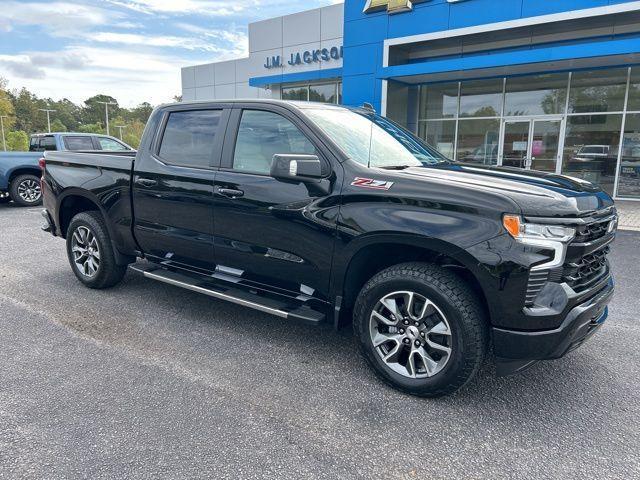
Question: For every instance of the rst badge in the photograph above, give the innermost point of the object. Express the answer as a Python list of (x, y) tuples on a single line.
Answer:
[(371, 183)]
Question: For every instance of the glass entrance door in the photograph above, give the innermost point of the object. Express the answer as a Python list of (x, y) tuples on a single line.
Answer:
[(545, 145), (515, 151), (533, 144)]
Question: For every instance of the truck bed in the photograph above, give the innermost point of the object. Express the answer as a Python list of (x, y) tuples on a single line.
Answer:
[(98, 158), (103, 178)]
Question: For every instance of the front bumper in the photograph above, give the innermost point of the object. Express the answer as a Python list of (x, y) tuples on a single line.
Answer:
[(518, 350)]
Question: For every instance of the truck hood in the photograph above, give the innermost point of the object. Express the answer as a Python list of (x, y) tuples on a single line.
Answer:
[(537, 193)]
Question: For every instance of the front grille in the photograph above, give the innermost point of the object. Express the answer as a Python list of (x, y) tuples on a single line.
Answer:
[(588, 271), (586, 264), (593, 231)]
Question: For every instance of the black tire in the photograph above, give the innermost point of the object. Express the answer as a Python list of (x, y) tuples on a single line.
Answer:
[(108, 272), (22, 199), (468, 330)]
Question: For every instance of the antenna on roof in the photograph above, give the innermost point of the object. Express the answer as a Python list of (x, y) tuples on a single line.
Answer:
[(368, 106)]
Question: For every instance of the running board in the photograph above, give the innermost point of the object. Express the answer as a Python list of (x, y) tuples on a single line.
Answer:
[(281, 308)]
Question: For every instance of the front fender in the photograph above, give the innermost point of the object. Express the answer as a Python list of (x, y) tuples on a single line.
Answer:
[(344, 256)]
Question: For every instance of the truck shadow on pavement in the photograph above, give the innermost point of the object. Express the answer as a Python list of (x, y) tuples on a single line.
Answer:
[(216, 341)]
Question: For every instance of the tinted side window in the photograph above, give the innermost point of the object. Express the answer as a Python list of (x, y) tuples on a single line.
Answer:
[(78, 143), (264, 134), (48, 143), (189, 137), (110, 145)]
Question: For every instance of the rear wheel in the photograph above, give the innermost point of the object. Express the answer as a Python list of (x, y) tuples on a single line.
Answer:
[(25, 190), (421, 328), (90, 252)]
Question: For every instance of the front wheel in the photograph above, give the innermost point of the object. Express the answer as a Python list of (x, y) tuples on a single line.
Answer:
[(90, 252), (25, 190), (421, 328)]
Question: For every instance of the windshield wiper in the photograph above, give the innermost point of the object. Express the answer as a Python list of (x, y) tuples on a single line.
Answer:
[(398, 167)]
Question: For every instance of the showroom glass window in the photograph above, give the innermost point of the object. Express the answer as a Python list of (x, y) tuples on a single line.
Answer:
[(598, 91), (478, 141), (591, 148), (536, 95), (629, 181), (314, 92), (326, 93), (441, 135), (439, 101), (590, 107), (189, 138), (481, 98), (634, 90), (296, 93)]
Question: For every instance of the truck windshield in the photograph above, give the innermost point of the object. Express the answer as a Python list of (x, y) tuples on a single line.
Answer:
[(373, 140)]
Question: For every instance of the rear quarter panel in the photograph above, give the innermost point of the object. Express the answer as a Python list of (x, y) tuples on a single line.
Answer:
[(103, 179)]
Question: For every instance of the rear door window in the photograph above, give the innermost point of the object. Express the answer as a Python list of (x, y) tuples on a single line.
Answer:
[(78, 143), (189, 138), (40, 144)]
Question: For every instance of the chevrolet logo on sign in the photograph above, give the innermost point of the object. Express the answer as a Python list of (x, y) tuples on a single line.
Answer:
[(392, 6)]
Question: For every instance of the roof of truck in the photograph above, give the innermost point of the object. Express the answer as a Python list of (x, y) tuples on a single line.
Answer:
[(290, 103), (75, 134)]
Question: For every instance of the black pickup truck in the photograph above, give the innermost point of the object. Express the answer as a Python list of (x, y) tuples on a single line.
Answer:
[(319, 213)]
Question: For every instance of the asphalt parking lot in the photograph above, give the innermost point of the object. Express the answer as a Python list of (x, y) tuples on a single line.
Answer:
[(147, 380)]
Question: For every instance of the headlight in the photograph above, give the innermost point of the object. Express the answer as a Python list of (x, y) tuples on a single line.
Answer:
[(521, 230), (552, 237)]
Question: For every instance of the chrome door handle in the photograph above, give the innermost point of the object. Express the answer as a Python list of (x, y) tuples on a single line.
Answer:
[(146, 182), (229, 192)]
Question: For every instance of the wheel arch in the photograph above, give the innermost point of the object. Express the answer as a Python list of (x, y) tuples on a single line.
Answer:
[(74, 201), (365, 257), (16, 172)]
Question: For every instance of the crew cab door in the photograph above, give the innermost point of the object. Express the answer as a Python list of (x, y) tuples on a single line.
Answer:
[(173, 187), (274, 232)]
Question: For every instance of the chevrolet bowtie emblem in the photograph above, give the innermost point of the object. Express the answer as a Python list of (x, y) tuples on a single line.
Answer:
[(392, 6)]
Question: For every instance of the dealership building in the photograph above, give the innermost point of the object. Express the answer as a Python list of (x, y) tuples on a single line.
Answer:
[(551, 85)]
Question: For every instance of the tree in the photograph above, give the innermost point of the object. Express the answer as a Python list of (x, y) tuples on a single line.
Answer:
[(68, 113), (26, 110), (58, 126), (23, 110), (91, 128), (94, 111), (6, 106), (17, 141), (133, 134), (140, 113)]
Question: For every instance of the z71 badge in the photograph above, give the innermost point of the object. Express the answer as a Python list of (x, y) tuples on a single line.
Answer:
[(371, 183)]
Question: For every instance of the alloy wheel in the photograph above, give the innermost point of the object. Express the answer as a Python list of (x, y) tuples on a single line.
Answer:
[(86, 252), (411, 334), (29, 190)]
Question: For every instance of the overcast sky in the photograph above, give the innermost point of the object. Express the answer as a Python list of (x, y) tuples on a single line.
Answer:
[(130, 49)]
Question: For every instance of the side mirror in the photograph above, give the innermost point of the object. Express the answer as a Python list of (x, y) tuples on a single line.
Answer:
[(296, 167)]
